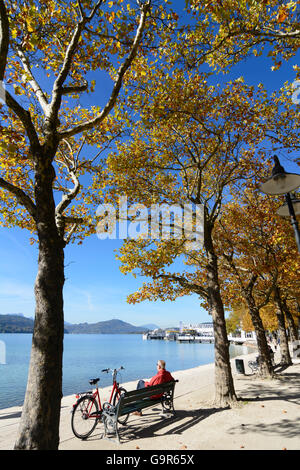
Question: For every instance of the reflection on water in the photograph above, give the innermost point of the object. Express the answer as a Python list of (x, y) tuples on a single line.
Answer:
[(238, 350)]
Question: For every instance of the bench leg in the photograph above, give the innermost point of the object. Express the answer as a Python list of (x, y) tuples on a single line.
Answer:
[(168, 405), (111, 427)]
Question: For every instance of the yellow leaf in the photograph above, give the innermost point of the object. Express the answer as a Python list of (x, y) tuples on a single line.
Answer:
[(17, 89), (282, 14), (111, 17)]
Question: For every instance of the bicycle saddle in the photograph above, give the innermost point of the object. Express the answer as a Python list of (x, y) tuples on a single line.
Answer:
[(94, 381)]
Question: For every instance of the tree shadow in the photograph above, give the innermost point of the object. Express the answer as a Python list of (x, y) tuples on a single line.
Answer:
[(285, 387), (278, 368), (16, 414), (152, 423), (286, 428)]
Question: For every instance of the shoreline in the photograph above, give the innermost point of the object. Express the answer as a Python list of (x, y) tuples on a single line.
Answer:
[(266, 418), (248, 347)]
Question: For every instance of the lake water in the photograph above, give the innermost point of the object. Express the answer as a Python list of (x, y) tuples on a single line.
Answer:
[(86, 355)]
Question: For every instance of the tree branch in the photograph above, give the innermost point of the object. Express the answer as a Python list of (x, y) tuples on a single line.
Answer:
[(32, 81), (67, 198), (68, 237), (184, 283), (23, 115), (21, 196), (75, 220), (25, 118), (4, 38), (145, 8), (74, 88), (57, 91)]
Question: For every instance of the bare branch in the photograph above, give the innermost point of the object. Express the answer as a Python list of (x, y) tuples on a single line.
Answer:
[(118, 82), (80, 10), (75, 220), (60, 80), (74, 88), (32, 81), (68, 237), (67, 198)]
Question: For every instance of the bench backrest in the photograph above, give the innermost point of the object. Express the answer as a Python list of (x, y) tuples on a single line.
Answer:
[(128, 399)]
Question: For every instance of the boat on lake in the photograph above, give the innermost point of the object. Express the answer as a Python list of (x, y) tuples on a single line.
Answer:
[(155, 334)]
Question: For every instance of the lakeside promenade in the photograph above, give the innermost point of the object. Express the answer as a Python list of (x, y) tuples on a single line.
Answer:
[(268, 417)]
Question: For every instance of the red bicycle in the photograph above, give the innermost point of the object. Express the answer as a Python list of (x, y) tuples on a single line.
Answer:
[(87, 411)]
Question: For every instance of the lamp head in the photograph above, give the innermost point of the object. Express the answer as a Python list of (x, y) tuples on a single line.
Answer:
[(280, 182)]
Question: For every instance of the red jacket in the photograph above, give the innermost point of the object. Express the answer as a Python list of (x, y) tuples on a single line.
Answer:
[(161, 377)]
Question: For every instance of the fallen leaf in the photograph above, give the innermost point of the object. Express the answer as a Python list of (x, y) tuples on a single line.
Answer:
[(183, 447), (284, 411), (242, 447), (137, 447)]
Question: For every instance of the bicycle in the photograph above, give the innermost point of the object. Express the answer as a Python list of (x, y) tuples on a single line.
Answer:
[(255, 366), (87, 411)]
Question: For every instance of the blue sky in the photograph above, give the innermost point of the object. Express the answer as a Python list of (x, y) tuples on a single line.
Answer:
[(95, 289)]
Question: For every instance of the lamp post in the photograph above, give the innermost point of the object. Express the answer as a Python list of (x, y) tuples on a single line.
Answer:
[(283, 183)]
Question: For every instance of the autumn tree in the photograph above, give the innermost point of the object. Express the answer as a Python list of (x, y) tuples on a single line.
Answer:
[(49, 54), (258, 249), (236, 317), (287, 289), (191, 143), (240, 318), (291, 314)]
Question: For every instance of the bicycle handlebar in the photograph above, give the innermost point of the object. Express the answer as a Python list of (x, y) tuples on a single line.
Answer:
[(112, 370)]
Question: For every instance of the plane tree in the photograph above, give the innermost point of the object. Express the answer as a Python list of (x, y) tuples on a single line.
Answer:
[(191, 142), (260, 253)]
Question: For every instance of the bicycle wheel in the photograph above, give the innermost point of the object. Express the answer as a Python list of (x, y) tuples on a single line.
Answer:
[(122, 419), (85, 416)]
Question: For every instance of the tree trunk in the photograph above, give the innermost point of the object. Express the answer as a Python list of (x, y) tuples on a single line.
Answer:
[(224, 386), (39, 426), (290, 321), (266, 368), (284, 345)]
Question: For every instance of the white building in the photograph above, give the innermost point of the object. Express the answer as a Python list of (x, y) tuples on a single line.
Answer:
[(241, 336), (201, 329), (206, 330)]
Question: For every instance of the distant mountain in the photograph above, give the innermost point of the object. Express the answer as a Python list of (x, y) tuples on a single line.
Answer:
[(15, 314), (150, 326), (105, 327), (15, 323)]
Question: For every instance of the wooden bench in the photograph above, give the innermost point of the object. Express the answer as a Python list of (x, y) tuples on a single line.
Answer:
[(137, 400)]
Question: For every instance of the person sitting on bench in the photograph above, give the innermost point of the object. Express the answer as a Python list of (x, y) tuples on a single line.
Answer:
[(161, 377)]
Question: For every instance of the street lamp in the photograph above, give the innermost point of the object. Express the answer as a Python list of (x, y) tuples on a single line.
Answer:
[(283, 211), (282, 183)]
